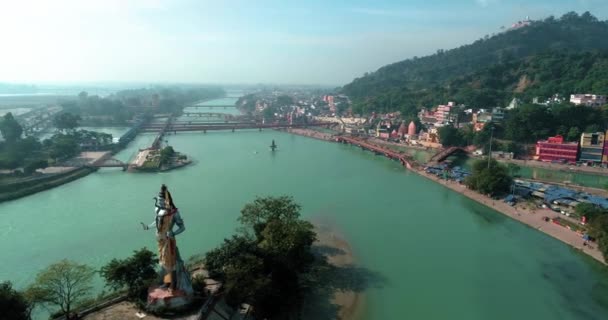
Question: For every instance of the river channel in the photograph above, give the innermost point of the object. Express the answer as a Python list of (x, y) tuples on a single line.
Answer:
[(425, 252)]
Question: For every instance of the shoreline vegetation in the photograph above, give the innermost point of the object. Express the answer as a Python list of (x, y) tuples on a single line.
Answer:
[(519, 213)]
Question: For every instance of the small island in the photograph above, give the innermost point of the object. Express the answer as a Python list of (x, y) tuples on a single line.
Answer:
[(159, 160)]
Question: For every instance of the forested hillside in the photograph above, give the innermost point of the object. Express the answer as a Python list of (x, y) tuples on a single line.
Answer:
[(491, 71)]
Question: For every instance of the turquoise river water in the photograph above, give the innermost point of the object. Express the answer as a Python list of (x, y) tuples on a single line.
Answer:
[(434, 254)]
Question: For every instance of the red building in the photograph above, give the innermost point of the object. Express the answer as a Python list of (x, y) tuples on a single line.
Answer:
[(555, 149)]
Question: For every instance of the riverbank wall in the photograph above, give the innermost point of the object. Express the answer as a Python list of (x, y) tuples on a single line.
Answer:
[(25, 188)]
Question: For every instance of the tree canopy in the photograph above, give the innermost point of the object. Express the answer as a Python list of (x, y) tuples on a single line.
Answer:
[(451, 137), (493, 179), (134, 273), (13, 305), (66, 121), (9, 127), (263, 263), (598, 229), (63, 285), (545, 58)]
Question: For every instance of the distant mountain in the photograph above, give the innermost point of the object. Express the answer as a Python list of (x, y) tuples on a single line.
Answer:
[(521, 62)]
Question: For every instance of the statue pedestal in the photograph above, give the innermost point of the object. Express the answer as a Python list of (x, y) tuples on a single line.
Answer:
[(163, 300)]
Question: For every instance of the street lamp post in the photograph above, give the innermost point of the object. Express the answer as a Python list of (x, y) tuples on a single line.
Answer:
[(490, 152)]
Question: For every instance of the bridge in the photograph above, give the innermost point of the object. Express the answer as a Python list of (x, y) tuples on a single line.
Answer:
[(403, 159), (211, 106), (89, 160), (206, 114), (214, 115), (162, 129), (180, 127), (445, 153), (109, 163)]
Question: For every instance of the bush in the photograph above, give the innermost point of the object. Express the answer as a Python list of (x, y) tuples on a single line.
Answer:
[(13, 305), (135, 274)]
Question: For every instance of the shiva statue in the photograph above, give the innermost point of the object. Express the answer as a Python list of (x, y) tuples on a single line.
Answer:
[(175, 278)]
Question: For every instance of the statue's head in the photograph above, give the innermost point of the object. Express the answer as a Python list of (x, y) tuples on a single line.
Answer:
[(165, 197)]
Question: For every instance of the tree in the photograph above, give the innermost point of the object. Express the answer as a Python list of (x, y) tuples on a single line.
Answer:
[(264, 264), (573, 134), (135, 273), (451, 137), (598, 229), (9, 127), (66, 121), (284, 101), (592, 128), (588, 210), (165, 154), (492, 180), (63, 146), (34, 165), (63, 284), (13, 305), (82, 96)]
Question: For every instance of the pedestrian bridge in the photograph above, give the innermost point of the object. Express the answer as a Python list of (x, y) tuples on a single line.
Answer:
[(444, 154)]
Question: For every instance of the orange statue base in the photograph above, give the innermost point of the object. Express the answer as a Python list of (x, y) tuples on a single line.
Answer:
[(165, 300)]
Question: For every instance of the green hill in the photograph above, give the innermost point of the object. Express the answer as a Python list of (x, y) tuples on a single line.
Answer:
[(551, 56)]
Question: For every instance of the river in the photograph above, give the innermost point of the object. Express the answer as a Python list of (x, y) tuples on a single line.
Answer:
[(426, 252)]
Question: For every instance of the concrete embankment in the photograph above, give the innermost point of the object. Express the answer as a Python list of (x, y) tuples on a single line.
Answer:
[(22, 189)]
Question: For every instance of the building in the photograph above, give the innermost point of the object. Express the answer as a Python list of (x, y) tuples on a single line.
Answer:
[(605, 153), (521, 24), (592, 147), (439, 117), (498, 114), (555, 149), (502, 155), (480, 119), (443, 113), (383, 129), (589, 100), (411, 129), (402, 129), (515, 103)]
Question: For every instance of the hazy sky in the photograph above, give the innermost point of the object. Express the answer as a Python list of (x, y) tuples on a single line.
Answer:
[(247, 41)]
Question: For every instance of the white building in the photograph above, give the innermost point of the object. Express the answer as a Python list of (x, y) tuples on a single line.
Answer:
[(589, 100), (515, 103)]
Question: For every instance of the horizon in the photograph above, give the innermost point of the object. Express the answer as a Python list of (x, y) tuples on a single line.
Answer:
[(237, 43)]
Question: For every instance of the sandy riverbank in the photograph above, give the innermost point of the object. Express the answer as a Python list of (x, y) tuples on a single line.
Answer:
[(532, 218), (350, 303), (311, 134)]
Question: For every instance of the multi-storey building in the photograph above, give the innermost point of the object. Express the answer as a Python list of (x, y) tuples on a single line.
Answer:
[(555, 149), (592, 147), (589, 100)]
